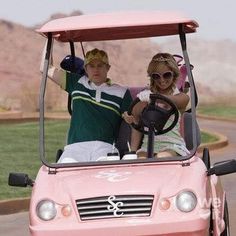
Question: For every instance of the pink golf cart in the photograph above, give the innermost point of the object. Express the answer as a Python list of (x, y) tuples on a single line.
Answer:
[(121, 194)]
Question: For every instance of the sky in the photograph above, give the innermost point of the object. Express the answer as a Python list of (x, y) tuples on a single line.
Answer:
[(215, 17)]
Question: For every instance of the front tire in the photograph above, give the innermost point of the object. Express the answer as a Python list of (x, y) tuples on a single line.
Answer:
[(226, 231)]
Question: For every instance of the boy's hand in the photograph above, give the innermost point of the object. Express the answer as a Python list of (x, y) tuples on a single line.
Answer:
[(51, 69), (43, 58), (128, 118)]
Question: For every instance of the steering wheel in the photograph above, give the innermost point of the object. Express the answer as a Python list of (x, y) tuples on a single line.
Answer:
[(156, 114)]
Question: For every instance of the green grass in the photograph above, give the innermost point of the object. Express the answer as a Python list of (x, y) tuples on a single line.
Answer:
[(19, 151), (206, 137), (218, 110)]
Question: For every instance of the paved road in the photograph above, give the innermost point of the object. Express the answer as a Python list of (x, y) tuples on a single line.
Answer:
[(14, 225), (17, 224)]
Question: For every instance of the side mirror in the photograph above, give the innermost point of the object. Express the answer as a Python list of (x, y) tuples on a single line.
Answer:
[(19, 180), (223, 168)]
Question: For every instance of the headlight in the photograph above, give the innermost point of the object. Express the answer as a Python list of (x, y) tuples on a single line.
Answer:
[(186, 201), (46, 210)]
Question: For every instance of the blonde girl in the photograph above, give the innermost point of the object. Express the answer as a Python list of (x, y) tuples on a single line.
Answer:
[(163, 72)]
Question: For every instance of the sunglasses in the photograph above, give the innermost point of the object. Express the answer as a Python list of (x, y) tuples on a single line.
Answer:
[(166, 75)]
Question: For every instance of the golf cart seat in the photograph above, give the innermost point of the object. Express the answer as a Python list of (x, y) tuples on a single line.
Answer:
[(182, 83), (187, 130)]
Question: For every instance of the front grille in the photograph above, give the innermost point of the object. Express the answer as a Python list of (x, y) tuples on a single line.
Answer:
[(114, 206)]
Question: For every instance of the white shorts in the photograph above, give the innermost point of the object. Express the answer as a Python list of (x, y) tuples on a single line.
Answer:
[(181, 150), (85, 151)]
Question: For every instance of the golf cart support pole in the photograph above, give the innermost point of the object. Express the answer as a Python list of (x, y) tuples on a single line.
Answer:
[(193, 93), (151, 136), (41, 98), (72, 49)]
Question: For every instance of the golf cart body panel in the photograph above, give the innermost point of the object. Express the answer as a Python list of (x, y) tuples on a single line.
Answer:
[(129, 184)]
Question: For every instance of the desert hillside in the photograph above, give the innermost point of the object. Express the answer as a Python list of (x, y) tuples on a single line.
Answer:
[(21, 47), (214, 67)]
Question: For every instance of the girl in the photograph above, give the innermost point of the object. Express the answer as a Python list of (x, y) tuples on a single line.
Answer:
[(163, 72)]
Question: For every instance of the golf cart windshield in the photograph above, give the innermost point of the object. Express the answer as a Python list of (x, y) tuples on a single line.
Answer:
[(112, 26)]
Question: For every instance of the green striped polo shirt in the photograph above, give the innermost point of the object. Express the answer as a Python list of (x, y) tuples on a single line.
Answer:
[(96, 110)]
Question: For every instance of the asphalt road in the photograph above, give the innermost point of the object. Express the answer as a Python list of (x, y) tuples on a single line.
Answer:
[(14, 225), (17, 224)]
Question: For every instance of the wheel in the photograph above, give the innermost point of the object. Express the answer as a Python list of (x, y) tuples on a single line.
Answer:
[(156, 114), (226, 231), (211, 223)]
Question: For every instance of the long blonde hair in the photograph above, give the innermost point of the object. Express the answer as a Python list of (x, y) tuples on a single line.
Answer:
[(163, 59)]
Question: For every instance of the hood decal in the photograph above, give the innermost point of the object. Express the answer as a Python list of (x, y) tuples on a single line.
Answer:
[(113, 175)]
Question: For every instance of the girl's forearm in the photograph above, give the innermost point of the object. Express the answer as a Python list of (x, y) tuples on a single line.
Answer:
[(136, 137)]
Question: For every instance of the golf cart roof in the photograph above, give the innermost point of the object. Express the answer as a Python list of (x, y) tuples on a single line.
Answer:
[(118, 25)]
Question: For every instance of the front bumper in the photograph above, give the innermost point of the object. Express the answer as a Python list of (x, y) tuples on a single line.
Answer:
[(124, 227)]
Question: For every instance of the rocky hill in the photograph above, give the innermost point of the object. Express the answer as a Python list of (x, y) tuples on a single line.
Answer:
[(214, 68), (21, 54)]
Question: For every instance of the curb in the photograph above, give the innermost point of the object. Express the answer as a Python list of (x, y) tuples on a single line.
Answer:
[(222, 141), (11, 115), (14, 206), (207, 117), (11, 118)]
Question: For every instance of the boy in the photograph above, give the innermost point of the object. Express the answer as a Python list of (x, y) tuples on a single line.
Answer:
[(97, 105)]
